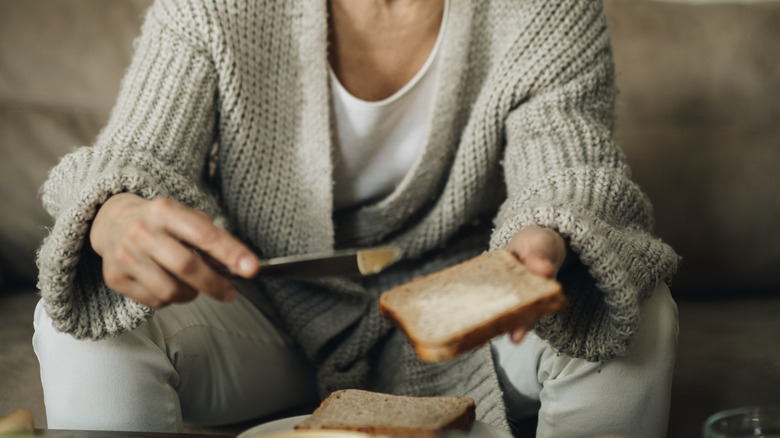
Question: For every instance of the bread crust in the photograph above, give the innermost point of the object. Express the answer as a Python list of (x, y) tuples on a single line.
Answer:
[(523, 315)]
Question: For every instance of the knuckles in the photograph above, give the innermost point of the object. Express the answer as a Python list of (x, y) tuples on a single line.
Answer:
[(137, 230), (122, 255), (162, 206)]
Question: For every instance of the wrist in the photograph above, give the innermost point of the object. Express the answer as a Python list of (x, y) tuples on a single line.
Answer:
[(114, 207)]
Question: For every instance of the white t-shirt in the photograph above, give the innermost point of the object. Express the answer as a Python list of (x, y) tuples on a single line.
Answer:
[(379, 142)]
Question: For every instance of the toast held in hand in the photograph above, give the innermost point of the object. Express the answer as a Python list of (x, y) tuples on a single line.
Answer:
[(464, 306)]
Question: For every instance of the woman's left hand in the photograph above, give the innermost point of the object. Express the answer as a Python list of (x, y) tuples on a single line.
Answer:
[(541, 250)]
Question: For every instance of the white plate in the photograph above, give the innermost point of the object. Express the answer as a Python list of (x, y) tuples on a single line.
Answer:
[(480, 429)]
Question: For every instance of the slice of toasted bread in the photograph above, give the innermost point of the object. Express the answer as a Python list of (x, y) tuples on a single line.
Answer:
[(464, 306), (391, 415)]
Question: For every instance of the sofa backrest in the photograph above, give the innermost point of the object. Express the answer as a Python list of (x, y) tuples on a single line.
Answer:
[(698, 116), (60, 66)]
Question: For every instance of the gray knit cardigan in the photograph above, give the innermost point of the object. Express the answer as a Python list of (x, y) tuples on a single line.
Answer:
[(226, 108)]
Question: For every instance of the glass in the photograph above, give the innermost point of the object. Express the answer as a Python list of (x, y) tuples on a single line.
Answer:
[(751, 421)]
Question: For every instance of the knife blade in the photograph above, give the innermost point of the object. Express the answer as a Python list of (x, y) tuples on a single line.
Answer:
[(346, 262)]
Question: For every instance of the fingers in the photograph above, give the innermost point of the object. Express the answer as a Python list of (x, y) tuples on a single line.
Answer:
[(188, 268), (144, 281), (197, 230), (542, 250), (156, 288), (517, 335), (147, 251), (540, 265)]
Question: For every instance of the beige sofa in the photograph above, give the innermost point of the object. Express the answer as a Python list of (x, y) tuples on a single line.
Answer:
[(698, 118)]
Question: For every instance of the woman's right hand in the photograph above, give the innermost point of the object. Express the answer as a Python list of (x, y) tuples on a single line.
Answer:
[(147, 251)]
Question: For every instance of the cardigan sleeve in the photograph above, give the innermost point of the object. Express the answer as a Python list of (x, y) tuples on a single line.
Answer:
[(563, 170), (156, 144)]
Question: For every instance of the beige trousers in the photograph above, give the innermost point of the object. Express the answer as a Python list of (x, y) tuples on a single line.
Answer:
[(211, 363), (204, 363), (627, 396)]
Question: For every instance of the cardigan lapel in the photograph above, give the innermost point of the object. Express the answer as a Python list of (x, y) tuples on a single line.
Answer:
[(313, 150)]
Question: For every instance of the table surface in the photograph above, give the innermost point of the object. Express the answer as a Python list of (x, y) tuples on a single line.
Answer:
[(231, 431), (119, 434)]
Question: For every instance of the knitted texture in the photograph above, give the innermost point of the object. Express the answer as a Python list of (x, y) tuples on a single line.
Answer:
[(521, 134)]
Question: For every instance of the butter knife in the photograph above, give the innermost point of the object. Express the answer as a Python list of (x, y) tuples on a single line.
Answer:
[(347, 262)]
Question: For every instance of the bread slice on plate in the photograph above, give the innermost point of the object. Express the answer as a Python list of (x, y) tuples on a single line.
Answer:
[(464, 306), (391, 415)]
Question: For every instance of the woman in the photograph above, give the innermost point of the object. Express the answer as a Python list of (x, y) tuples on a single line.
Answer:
[(445, 128)]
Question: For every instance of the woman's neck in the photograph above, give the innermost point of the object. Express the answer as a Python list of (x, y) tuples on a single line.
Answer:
[(377, 46)]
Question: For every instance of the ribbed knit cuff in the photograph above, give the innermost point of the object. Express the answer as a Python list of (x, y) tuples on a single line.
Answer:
[(70, 275), (616, 268)]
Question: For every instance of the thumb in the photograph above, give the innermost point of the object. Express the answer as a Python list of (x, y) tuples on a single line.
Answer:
[(542, 250), (540, 265)]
